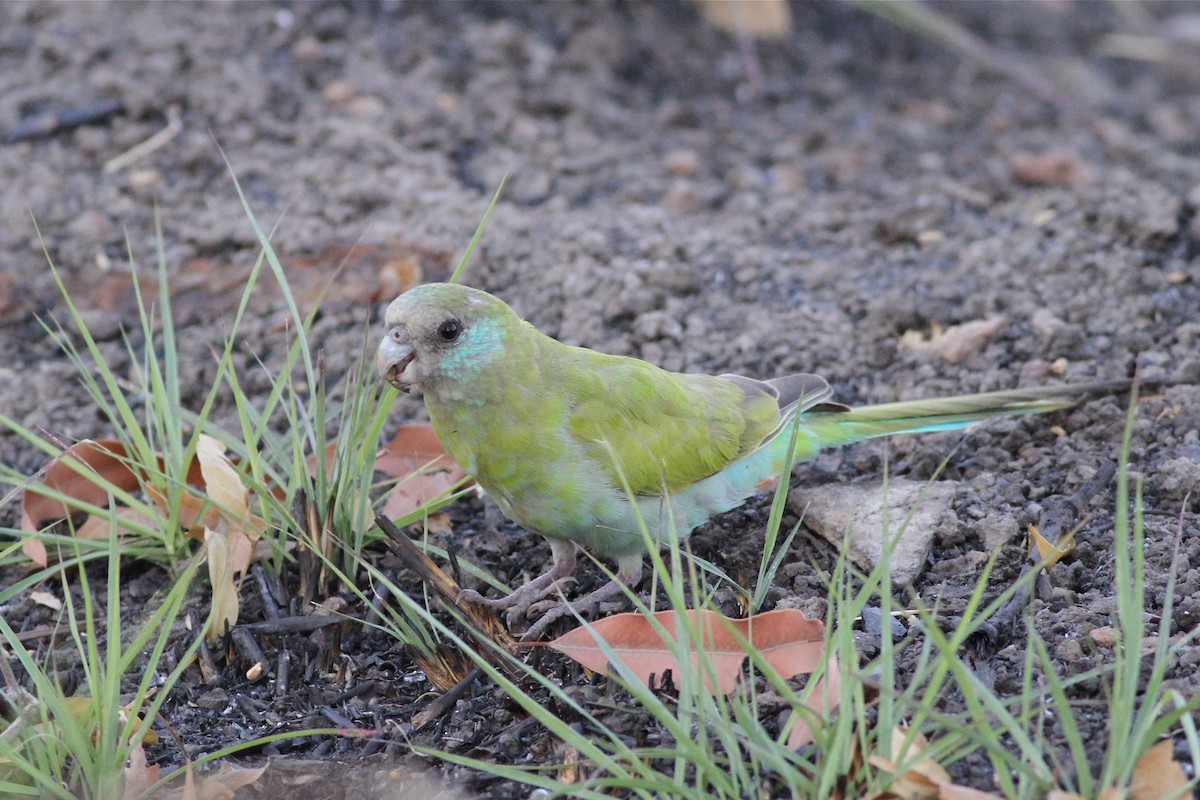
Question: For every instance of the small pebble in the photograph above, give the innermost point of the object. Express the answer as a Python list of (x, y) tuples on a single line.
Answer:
[(1104, 636)]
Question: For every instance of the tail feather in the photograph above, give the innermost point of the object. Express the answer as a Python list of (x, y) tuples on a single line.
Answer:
[(833, 428)]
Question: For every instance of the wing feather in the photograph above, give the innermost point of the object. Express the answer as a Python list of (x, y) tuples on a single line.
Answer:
[(668, 430)]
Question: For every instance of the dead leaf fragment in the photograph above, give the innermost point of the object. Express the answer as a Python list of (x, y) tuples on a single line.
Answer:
[(1054, 168), (46, 599), (1158, 775), (221, 785), (85, 473), (1052, 553), (955, 343), (139, 775), (922, 778), (224, 589), (231, 499), (822, 700), (955, 792), (766, 19)]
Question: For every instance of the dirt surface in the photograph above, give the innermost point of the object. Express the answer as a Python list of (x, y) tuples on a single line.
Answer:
[(815, 204)]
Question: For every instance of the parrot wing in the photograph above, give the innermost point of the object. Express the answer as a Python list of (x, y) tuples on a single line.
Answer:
[(669, 430)]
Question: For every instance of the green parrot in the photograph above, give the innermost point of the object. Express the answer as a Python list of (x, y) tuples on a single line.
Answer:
[(544, 428)]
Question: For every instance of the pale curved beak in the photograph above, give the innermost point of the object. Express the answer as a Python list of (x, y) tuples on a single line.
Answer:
[(393, 358)]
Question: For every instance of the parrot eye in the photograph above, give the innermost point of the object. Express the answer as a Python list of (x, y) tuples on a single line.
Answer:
[(450, 330)]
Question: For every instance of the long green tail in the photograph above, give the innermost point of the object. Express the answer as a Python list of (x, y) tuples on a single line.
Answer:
[(820, 429)]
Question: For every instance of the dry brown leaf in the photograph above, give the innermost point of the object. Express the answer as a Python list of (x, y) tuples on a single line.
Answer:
[(955, 343), (104, 463), (1111, 793), (955, 792), (822, 701), (98, 527), (222, 785), (789, 641), (1052, 553), (139, 776), (1158, 775), (224, 487), (1055, 168), (46, 599), (1059, 794), (766, 19), (224, 589), (107, 463), (83, 709), (419, 464), (922, 777), (105, 460)]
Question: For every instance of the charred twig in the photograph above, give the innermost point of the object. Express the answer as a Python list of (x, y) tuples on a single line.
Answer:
[(353, 692), (378, 598), (338, 719), (208, 667), (249, 650), (248, 708), (1058, 516), (446, 700), (479, 619), (286, 625), (270, 606), (41, 632), (64, 121), (282, 672)]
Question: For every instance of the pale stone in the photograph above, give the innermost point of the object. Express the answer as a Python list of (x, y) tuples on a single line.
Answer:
[(855, 513)]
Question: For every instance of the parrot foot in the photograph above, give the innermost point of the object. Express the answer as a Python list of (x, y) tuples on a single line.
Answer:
[(553, 610), (518, 603), (554, 580)]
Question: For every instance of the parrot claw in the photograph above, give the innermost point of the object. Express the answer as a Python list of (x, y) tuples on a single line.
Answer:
[(518, 604), (552, 610)]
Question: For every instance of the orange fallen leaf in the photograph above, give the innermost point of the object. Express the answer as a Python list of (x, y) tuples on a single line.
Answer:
[(421, 467), (83, 709), (822, 700), (80, 472), (84, 472), (791, 643)]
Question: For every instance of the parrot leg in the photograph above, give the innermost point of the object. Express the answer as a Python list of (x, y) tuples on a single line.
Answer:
[(518, 603), (629, 573)]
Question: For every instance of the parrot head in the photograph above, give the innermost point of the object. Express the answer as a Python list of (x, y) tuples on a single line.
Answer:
[(441, 333)]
